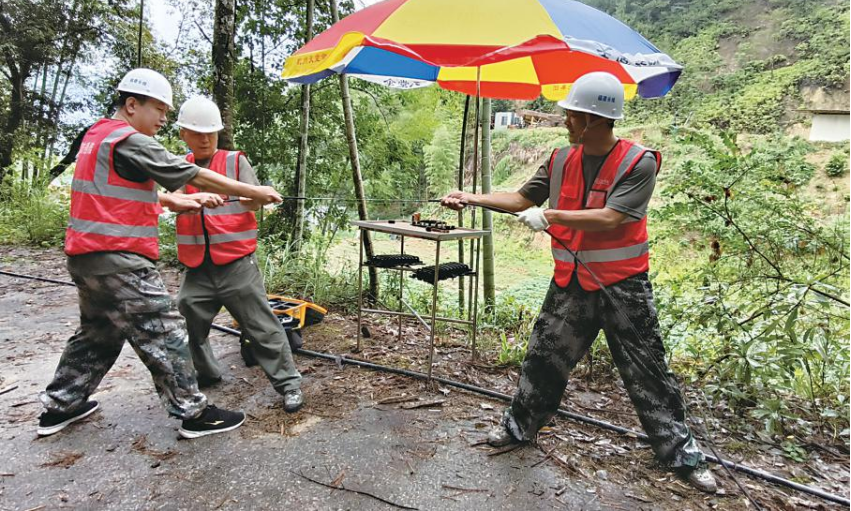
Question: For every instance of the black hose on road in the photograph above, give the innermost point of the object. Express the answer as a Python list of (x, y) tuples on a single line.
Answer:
[(342, 359)]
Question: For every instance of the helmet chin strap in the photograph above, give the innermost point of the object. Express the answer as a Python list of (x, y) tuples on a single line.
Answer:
[(589, 125)]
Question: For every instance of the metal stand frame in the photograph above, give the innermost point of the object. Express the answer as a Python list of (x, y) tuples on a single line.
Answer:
[(473, 280)]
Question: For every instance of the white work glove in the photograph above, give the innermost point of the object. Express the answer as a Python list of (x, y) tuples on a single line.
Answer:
[(534, 219)]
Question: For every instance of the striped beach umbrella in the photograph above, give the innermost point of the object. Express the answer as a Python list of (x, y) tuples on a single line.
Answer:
[(513, 49)]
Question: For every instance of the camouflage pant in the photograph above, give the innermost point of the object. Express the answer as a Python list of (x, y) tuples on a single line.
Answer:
[(132, 306), (569, 321)]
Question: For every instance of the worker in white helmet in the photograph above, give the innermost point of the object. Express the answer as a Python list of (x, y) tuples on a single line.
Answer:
[(598, 191), (217, 248), (112, 245)]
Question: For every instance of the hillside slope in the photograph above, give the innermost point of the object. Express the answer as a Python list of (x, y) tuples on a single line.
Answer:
[(749, 66)]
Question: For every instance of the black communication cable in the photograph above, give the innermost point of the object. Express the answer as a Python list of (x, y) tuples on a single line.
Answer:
[(341, 359)]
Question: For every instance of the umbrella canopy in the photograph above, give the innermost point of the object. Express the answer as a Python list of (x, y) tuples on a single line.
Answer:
[(520, 49)]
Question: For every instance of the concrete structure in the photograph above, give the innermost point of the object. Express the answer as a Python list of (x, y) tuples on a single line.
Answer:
[(830, 125)]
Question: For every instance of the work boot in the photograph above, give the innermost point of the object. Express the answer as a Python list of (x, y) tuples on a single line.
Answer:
[(293, 400), (211, 421), (701, 478), (499, 436), (205, 382), (245, 349), (52, 422)]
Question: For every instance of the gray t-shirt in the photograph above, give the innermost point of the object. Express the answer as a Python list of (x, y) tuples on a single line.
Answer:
[(136, 158), (630, 196)]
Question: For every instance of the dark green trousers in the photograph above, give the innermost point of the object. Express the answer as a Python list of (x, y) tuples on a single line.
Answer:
[(239, 288)]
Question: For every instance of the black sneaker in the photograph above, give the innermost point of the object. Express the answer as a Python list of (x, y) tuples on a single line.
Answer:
[(51, 422), (211, 421)]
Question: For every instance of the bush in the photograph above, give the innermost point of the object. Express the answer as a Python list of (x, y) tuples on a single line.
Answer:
[(838, 165), (168, 240), (754, 306), (305, 275), (33, 214), (503, 169)]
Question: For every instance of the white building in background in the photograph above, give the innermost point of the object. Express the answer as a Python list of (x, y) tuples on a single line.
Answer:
[(502, 120), (830, 125)]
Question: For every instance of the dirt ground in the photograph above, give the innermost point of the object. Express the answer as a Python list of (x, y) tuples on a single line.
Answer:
[(412, 444)]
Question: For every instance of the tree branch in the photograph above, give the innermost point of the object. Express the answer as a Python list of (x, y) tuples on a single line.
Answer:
[(202, 32), (731, 222), (359, 492), (811, 288), (374, 100)]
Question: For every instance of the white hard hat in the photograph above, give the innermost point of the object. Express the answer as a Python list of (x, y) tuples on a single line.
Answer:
[(147, 82), (200, 114), (596, 93)]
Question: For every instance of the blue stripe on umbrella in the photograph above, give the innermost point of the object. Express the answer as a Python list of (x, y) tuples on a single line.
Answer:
[(375, 61), (659, 85), (315, 77), (575, 19)]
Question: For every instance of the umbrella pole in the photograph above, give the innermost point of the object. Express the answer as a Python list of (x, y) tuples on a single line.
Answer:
[(473, 253)]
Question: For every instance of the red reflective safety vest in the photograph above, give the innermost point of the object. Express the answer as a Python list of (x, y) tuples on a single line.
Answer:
[(611, 255), (108, 212), (231, 228)]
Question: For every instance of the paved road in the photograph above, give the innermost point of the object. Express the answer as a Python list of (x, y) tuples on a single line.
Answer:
[(128, 456)]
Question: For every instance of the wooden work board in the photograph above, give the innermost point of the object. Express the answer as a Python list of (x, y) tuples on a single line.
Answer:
[(404, 228)]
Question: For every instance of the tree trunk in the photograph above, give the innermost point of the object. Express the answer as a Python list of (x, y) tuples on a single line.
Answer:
[(16, 113), (223, 56), (356, 172), (487, 215), (58, 111), (38, 116), (303, 147)]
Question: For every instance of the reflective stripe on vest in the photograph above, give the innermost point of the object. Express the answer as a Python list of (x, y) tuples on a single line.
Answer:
[(217, 238), (189, 239), (601, 256), (116, 192), (557, 162), (560, 254), (609, 255), (107, 229)]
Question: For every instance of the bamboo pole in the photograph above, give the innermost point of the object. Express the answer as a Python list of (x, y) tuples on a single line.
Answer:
[(487, 215)]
